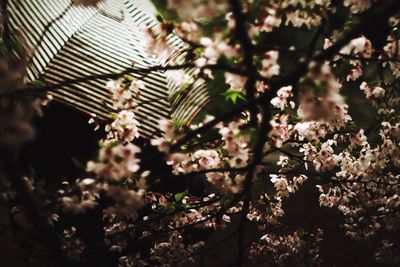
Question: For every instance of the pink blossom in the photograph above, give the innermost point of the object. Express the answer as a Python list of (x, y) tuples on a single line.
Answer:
[(361, 46), (270, 65), (272, 20), (208, 159), (372, 92), (282, 95), (235, 81), (358, 6), (124, 127), (281, 130), (115, 162)]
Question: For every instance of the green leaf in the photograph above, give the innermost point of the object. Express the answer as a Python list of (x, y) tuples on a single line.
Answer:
[(163, 13), (179, 196), (160, 17), (185, 206), (233, 95), (178, 124), (169, 209), (348, 24), (36, 84)]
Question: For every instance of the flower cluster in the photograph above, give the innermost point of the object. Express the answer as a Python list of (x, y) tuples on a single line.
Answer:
[(213, 50), (198, 10), (236, 154), (167, 253), (293, 125), (357, 48), (357, 6), (270, 65), (278, 250), (157, 44), (284, 187), (320, 131), (280, 101), (124, 127), (116, 162)]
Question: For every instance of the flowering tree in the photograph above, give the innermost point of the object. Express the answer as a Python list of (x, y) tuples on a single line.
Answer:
[(290, 74)]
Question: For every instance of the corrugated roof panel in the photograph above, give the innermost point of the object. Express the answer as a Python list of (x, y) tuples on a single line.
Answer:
[(70, 42)]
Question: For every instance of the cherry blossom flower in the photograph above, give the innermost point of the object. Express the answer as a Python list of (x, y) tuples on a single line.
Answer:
[(329, 107), (122, 97), (173, 250), (272, 20), (198, 9), (355, 73), (127, 202), (213, 49), (356, 169), (277, 249), (235, 81), (158, 44), (78, 206), (169, 135), (124, 127), (361, 46), (299, 18), (188, 30), (208, 159), (357, 6), (282, 95), (372, 92), (281, 185), (270, 65), (281, 130), (116, 162)]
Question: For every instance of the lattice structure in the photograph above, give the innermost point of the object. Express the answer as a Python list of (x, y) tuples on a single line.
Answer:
[(70, 42)]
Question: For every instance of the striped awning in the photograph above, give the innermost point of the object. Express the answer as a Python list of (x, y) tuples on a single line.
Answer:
[(70, 42)]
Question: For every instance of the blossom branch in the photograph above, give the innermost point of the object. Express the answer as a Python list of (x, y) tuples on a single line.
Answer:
[(242, 36)]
